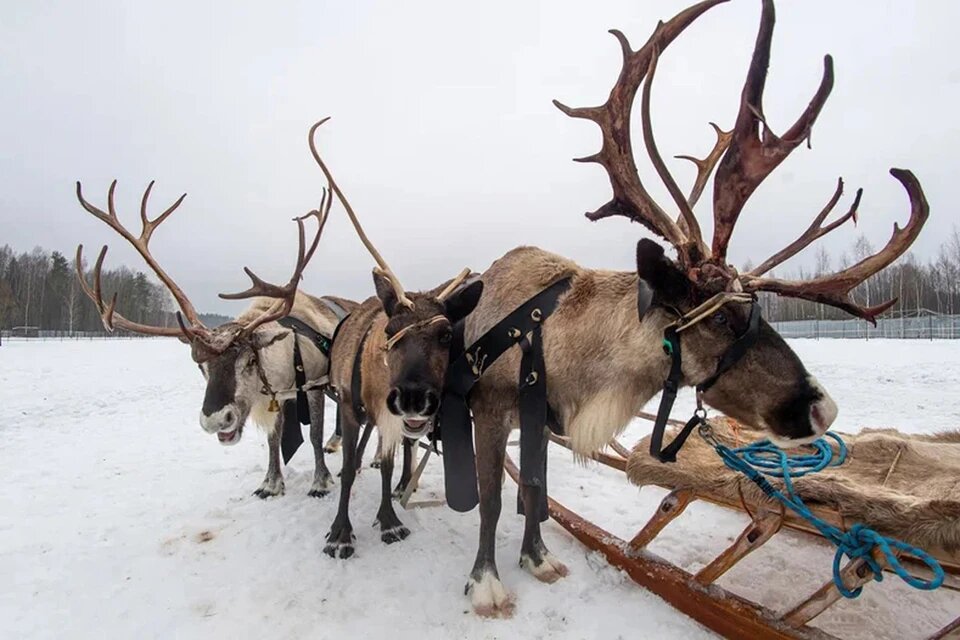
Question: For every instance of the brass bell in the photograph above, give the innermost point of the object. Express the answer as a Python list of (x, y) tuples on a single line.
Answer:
[(274, 406)]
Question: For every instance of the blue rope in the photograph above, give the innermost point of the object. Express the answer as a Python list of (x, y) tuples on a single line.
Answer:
[(764, 458)]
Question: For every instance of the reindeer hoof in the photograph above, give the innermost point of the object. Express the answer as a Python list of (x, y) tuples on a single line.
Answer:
[(489, 598), (394, 534), (340, 543), (269, 490), (549, 570), (321, 486), (375, 464)]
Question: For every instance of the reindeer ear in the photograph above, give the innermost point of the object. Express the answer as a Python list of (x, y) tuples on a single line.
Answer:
[(388, 297), (459, 305), (669, 284)]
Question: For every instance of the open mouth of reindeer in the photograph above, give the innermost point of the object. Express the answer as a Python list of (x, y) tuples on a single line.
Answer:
[(416, 427), (229, 437)]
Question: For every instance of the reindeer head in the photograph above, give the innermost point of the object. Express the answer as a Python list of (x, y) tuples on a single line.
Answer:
[(699, 295), (419, 329), (232, 357), (419, 333)]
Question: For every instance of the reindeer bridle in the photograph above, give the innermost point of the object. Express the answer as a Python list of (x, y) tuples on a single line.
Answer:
[(671, 385)]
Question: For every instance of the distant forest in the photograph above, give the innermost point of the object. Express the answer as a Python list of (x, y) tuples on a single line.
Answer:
[(39, 289)]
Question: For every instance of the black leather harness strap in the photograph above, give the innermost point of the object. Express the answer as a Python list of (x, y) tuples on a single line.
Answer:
[(671, 346), (292, 436), (466, 367)]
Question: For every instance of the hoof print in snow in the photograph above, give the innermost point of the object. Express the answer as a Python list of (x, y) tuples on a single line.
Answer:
[(204, 536)]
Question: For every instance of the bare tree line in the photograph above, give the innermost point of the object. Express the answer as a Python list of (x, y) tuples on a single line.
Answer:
[(40, 290)]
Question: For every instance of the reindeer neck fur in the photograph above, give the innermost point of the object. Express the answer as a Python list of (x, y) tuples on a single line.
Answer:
[(602, 364), (366, 325), (277, 359)]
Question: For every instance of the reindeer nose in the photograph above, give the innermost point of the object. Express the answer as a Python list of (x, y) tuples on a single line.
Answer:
[(413, 400), (822, 412)]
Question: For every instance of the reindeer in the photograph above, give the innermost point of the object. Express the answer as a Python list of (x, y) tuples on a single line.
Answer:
[(388, 367), (247, 363), (602, 363)]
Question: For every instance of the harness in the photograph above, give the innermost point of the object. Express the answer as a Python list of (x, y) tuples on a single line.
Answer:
[(522, 327), (671, 346), (292, 437)]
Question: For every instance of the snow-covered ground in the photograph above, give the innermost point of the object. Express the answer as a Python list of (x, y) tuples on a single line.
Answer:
[(120, 518)]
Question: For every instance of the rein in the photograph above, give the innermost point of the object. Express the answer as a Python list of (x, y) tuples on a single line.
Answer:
[(671, 346)]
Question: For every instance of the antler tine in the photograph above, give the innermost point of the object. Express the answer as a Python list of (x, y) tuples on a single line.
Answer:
[(456, 282), (705, 166), (142, 242), (834, 289), (688, 221), (630, 198), (382, 267), (814, 231), (287, 293), (108, 315), (326, 201), (752, 156)]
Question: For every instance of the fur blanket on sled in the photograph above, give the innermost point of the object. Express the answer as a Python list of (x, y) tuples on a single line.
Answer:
[(905, 486)]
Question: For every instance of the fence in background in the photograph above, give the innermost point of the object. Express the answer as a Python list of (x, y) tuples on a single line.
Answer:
[(923, 327), (7, 335)]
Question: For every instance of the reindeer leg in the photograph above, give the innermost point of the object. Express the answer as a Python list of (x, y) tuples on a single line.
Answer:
[(322, 480), (487, 594), (391, 529), (407, 472), (340, 538), (534, 555), (333, 444), (375, 463), (273, 482)]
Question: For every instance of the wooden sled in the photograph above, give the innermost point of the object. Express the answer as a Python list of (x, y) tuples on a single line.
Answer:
[(698, 595)]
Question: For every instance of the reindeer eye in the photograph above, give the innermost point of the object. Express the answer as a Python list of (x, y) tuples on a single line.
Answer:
[(719, 319), (446, 337)]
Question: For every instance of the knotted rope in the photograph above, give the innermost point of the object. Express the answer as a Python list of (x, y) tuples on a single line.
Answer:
[(763, 458)]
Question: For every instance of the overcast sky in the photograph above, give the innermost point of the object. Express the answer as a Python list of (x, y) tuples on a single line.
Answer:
[(443, 134)]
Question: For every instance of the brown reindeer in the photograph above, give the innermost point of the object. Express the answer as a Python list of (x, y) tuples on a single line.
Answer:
[(388, 366), (602, 363), (247, 363)]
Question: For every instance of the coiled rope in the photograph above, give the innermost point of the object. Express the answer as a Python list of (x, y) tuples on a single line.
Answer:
[(763, 458)]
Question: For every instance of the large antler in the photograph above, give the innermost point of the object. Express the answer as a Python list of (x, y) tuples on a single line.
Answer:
[(630, 197), (382, 267), (755, 152), (141, 244), (108, 314), (743, 158), (834, 289), (287, 293)]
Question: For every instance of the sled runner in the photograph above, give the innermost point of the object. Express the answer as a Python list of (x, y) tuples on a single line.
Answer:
[(903, 486)]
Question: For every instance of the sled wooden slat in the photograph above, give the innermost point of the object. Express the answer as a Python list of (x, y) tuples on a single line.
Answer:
[(856, 573), (714, 607), (670, 507), (763, 527)]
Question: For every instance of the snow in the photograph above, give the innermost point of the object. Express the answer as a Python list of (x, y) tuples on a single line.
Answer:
[(121, 518)]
